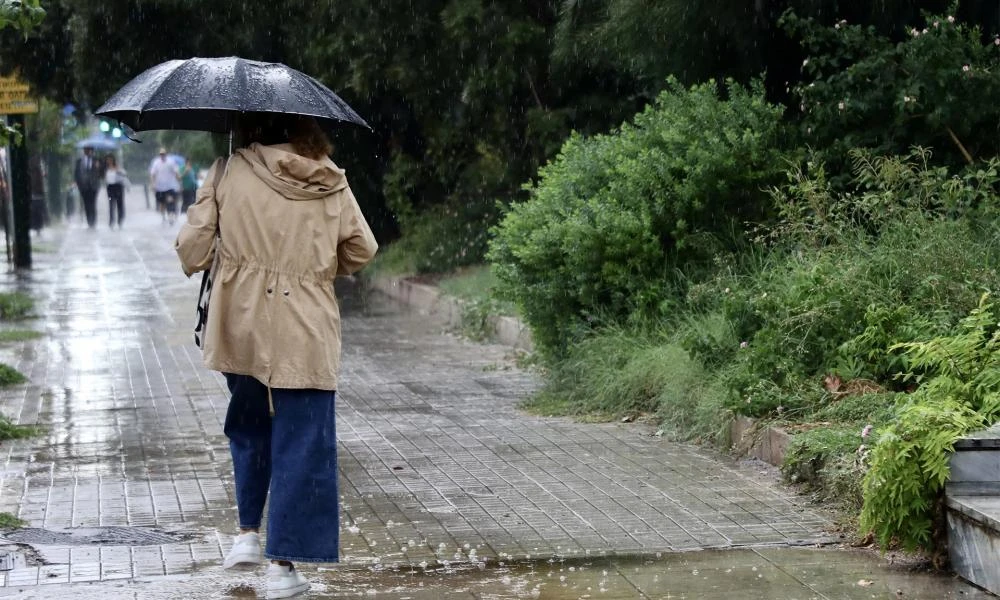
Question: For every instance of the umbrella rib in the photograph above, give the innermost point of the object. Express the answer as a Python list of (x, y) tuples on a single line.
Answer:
[(240, 70)]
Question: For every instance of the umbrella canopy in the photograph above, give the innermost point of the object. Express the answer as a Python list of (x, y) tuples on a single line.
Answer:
[(98, 142), (207, 94)]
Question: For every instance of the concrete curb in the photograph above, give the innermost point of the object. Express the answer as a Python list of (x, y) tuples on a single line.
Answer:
[(428, 299), (749, 437)]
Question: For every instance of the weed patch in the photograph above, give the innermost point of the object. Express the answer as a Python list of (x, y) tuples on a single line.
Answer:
[(12, 431), (19, 335), (15, 305), (9, 521), (10, 376)]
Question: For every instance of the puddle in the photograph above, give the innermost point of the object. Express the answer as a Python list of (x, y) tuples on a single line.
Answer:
[(94, 536)]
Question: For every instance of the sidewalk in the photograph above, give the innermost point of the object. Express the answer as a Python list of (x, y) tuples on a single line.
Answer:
[(447, 489)]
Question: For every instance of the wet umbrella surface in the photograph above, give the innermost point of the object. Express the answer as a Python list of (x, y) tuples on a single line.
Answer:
[(207, 94)]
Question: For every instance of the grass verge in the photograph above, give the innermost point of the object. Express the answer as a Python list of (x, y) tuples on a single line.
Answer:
[(9, 521), (19, 335), (15, 305)]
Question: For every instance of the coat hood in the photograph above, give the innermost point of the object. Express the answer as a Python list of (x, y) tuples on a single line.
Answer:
[(294, 176)]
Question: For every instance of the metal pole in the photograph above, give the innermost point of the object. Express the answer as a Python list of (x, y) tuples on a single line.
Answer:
[(21, 196)]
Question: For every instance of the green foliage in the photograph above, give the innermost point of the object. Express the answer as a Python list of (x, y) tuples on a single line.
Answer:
[(613, 218), (15, 305), (18, 335), (10, 376), (445, 237), (935, 88), (812, 453), (959, 391), (851, 274), (632, 371), (22, 15), (872, 408), (9, 521), (12, 431)]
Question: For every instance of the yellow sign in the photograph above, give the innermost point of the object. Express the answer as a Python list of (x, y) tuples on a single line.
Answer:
[(15, 98)]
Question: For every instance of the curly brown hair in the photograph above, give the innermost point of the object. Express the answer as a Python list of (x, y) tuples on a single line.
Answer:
[(302, 132)]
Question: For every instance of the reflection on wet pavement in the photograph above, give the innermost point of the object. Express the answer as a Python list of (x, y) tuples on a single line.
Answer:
[(745, 574)]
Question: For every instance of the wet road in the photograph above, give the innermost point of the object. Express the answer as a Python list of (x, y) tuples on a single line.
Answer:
[(448, 491)]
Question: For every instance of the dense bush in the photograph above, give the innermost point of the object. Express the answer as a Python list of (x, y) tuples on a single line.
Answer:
[(937, 87), (614, 218), (853, 274)]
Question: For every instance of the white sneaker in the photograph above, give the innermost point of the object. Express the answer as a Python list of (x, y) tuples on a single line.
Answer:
[(245, 552), (284, 581)]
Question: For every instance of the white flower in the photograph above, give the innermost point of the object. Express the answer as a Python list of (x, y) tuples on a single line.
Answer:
[(867, 431), (936, 23), (924, 31), (809, 129), (915, 32), (965, 68), (841, 105), (951, 19), (996, 42), (837, 26), (744, 344), (805, 62)]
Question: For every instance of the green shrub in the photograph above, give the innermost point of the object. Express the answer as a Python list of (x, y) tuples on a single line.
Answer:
[(18, 335), (614, 219), (8, 521), (936, 87), (10, 376), (12, 431), (633, 371), (959, 377), (444, 237), (853, 274), (810, 452), (15, 305)]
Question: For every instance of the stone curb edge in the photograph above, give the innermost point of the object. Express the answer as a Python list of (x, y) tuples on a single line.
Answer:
[(750, 437), (428, 299)]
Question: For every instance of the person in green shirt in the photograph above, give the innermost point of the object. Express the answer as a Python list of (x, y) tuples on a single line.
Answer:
[(189, 185)]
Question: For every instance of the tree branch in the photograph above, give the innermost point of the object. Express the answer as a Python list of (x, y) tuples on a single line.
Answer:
[(965, 153)]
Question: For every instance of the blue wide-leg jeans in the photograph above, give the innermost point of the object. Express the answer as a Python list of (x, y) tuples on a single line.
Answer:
[(292, 455)]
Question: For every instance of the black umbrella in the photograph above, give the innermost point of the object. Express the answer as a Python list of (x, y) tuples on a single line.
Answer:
[(207, 94)]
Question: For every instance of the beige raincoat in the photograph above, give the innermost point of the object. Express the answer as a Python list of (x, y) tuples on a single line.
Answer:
[(288, 225)]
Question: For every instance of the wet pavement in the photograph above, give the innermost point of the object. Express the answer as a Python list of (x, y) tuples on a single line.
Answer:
[(448, 490)]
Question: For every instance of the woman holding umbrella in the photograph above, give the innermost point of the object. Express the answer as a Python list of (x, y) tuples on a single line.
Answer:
[(287, 225), (276, 222)]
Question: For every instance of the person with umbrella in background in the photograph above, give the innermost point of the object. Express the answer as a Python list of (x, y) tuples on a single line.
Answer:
[(274, 223), (88, 174)]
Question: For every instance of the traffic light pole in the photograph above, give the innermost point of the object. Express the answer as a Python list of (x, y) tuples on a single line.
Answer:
[(20, 196)]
